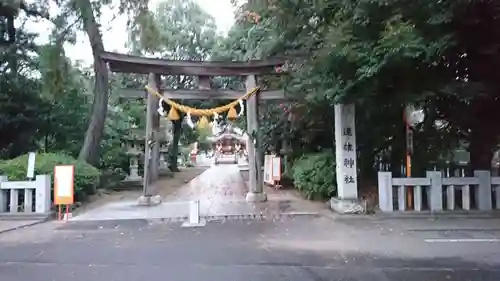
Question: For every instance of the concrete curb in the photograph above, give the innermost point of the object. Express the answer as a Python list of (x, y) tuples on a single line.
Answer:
[(216, 218), (417, 216), (25, 225), (325, 214)]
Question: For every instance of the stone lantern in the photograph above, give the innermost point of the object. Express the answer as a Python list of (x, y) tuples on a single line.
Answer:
[(286, 151), (165, 139), (135, 153), (163, 168)]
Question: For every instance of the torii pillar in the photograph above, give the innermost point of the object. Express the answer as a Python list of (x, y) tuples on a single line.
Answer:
[(150, 195), (256, 178)]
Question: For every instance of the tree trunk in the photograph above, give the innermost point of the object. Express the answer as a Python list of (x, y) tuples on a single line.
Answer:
[(483, 134), (92, 143), (481, 149), (174, 152)]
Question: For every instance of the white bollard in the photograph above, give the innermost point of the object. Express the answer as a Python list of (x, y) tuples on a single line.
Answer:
[(194, 212), (67, 216), (194, 215)]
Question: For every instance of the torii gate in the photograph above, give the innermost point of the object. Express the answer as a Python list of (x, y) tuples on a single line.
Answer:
[(203, 70)]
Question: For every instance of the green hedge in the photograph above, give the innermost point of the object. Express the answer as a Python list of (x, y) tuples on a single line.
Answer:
[(314, 175), (86, 176)]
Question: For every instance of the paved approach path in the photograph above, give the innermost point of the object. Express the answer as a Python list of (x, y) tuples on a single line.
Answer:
[(218, 184), (221, 192)]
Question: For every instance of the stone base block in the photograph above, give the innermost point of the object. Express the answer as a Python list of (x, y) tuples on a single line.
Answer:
[(165, 173), (245, 175), (347, 206), (256, 197), (243, 167), (149, 200), (67, 216), (201, 223), (133, 179), (130, 184)]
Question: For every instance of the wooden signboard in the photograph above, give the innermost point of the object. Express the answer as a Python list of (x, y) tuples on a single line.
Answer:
[(64, 178), (272, 169), (276, 169), (268, 172)]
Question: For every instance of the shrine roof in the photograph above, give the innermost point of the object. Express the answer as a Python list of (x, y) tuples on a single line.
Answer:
[(136, 64), (227, 136)]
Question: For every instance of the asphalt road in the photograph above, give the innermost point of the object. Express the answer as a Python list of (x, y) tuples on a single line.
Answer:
[(290, 249)]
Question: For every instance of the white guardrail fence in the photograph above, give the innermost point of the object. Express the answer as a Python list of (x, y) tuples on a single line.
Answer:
[(437, 193)]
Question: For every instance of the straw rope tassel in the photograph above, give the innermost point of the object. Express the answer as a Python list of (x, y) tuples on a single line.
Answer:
[(203, 123), (173, 114), (231, 114)]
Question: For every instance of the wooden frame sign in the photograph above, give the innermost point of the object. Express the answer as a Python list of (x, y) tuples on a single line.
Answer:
[(276, 168), (64, 178)]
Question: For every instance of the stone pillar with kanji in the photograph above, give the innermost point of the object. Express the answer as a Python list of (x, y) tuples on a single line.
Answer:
[(346, 200)]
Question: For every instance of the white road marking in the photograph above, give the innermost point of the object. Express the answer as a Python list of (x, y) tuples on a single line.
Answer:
[(497, 240)]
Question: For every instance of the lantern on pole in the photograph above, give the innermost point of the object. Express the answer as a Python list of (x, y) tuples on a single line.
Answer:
[(412, 117)]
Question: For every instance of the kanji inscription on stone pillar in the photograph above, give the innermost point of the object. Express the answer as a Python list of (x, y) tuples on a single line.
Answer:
[(345, 148)]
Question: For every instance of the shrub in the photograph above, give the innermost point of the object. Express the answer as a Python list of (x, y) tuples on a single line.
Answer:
[(314, 175), (114, 166), (86, 176)]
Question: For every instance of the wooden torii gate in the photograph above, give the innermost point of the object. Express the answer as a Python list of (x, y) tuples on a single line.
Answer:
[(203, 70)]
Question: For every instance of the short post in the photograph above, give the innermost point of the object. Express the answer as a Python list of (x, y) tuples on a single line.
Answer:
[(194, 215), (42, 194), (194, 212), (3, 195), (466, 197), (402, 203), (417, 197), (28, 200), (483, 192), (385, 197), (450, 197), (14, 200), (436, 191), (497, 196)]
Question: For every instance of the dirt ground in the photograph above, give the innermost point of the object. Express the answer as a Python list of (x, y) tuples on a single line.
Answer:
[(166, 187)]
